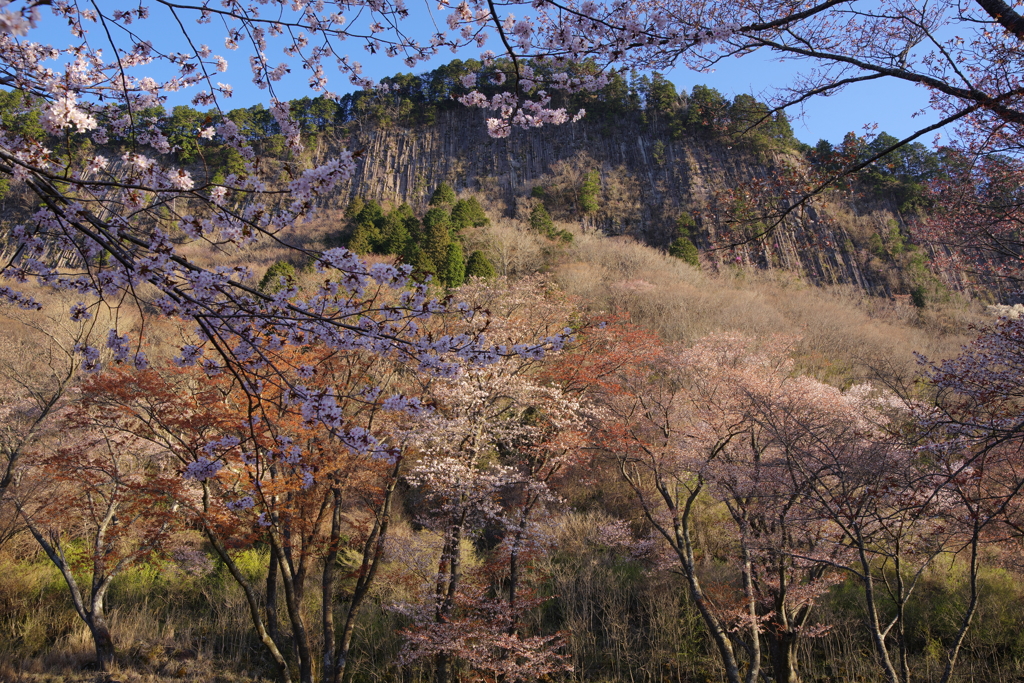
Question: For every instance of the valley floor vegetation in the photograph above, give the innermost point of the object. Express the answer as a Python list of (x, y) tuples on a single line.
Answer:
[(723, 476)]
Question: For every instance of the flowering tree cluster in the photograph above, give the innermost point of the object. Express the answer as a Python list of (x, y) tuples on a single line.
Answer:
[(817, 485), (265, 467), (493, 448)]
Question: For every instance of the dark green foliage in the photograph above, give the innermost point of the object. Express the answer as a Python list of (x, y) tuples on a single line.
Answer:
[(753, 122), (658, 152), (684, 249), (226, 161), (444, 195), (918, 296), (468, 213), (480, 266), (589, 191), (182, 131), (452, 272), (662, 97), (437, 235), (255, 123), (271, 282), (901, 176), (399, 228), (416, 99), (355, 205), (540, 220), (614, 100), (368, 236), (371, 213), (685, 225), (366, 239), (314, 114), (682, 246), (20, 114), (394, 234), (417, 257), (707, 110)]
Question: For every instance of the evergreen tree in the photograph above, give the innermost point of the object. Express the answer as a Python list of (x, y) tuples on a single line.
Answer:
[(707, 109), (417, 257), (685, 225), (182, 131), (371, 213), (452, 272), (540, 220), (366, 239), (662, 97), (613, 99), (20, 113), (683, 248), (588, 192), (395, 233), (444, 195), (355, 205), (468, 213), (271, 282), (437, 235), (480, 266)]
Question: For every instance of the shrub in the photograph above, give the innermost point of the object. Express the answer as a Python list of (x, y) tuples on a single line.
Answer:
[(271, 282), (480, 266), (683, 248)]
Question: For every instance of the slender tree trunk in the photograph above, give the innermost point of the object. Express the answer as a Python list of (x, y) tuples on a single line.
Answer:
[(877, 636), (273, 620), (684, 549), (754, 668), (373, 555), (972, 606), (447, 587), (292, 600), (331, 672), (254, 607)]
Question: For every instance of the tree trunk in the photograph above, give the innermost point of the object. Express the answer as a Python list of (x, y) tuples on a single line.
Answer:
[(441, 666), (254, 609), (101, 639), (292, 600), (373, 555), (331, 672), (273, 621), (783, 651), (877, 635)]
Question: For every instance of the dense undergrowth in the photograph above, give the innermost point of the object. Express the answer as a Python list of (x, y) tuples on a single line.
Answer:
[(623, 619)]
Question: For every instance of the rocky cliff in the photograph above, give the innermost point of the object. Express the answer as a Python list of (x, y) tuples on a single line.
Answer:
[(647, 180)]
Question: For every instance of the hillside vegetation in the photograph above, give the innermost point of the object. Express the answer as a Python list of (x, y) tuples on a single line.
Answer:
[(633, 436), (599, 582), (662, 166)]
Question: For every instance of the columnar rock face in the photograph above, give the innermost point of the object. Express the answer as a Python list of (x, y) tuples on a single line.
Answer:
[(647, 180)]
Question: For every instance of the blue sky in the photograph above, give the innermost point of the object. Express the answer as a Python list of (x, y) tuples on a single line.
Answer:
[(887, 103)]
